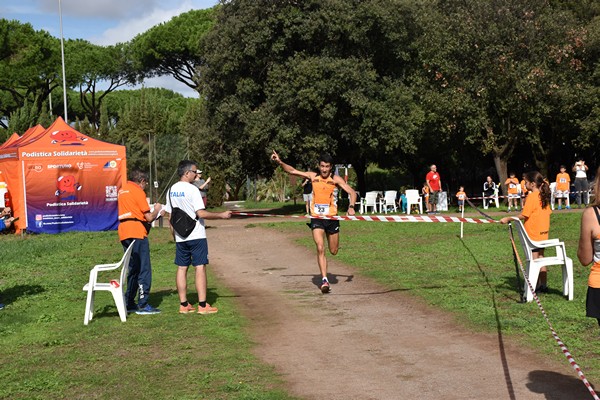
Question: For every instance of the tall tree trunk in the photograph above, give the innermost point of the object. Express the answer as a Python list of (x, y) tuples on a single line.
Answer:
[(360, 168), (501, 164), (540, 154)]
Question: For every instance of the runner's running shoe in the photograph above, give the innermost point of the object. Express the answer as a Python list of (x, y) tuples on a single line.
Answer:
[(325, 287), (148, 310), (207, 310), (186, 309)]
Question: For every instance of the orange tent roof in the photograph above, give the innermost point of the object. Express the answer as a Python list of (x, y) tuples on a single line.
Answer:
[(30, 135), (59, 140), (13, 138)]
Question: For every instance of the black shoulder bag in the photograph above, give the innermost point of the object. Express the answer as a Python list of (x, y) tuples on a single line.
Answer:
[(181, 221)]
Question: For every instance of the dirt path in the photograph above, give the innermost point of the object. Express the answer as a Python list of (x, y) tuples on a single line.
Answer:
[(363, 341)]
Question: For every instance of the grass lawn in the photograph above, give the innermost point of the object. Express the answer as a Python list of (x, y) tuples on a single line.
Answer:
[(474, 279), (47, 352)]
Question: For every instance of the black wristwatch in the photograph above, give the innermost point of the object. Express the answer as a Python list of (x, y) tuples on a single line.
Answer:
[(351, 206)]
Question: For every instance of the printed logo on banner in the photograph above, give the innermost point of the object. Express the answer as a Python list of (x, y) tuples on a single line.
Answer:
[(67, 187), (36, 167), (38, 221), (111, 193), (67, 138), (110, 165), (59, 166), (84, 165)]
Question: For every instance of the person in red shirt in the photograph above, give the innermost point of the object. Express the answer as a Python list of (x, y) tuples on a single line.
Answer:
[(134, 211), (434, 182)]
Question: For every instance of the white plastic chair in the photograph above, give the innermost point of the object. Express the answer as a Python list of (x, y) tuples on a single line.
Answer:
[(370, 200), (389, 200), (488, 199), (552, 192), (532, 267), (412, 197), (553, 197), (115, 287)]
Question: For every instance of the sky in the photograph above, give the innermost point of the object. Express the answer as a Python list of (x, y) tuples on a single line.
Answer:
[(103, 22)]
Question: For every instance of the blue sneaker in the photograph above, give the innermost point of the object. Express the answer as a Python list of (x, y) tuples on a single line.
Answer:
[(560, 207), (567, 207), (1, 306), (147, 310)]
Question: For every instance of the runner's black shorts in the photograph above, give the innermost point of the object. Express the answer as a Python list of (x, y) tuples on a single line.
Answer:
[(592, 303), (330, 226)]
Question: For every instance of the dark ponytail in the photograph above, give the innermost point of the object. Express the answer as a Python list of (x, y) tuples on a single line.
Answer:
[(542, 185)]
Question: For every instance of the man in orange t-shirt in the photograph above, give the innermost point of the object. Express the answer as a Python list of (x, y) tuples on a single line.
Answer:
[(563, 181), (134, 211)]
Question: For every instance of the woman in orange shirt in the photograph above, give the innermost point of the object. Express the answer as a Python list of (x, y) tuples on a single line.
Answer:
[(589, 250), (536, 218)]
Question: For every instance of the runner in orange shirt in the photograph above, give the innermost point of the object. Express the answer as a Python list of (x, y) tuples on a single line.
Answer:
[(563, 181), (512, 191), (425, 194), (536, 218), (324, 203), (461, 196), (523, 191)]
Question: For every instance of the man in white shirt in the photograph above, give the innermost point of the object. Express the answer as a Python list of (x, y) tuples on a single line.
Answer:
[(581, 183), (192, 249)]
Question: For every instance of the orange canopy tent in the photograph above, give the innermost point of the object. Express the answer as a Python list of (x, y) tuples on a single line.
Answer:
[(13, 138), (59, 180)]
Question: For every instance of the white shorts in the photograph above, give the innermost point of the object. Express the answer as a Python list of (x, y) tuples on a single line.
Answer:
[(307, 197), (561, 194)]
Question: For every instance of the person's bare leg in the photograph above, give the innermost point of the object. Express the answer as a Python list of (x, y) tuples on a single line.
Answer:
[(543, 277), (181, 283), (319, 238), (201, 282), (333, 239)]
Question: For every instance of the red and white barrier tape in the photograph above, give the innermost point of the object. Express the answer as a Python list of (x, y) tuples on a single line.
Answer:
[(517, 196), (562, 346), (378, 218)]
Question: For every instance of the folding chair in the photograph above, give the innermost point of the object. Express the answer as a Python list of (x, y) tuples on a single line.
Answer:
[(533, 266), (115, 287)]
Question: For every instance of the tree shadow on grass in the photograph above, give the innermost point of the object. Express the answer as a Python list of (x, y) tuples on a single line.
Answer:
[(12, 294)]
